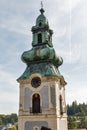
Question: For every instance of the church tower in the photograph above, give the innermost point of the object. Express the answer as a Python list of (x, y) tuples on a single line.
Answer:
[(42, 102)]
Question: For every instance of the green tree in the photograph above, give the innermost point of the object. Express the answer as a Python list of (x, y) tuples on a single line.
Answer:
[(82, 122), (0, 121), (4, 119)]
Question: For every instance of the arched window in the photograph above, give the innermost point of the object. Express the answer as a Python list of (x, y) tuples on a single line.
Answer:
[(61, 107), (40, 24), (39, 38), (36, 103)]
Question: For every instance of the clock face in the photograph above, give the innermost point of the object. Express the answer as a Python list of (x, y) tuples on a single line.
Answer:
[(36, 82)]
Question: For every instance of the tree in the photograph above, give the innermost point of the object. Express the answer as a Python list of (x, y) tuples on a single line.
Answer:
[(0, 121), (5, 119)]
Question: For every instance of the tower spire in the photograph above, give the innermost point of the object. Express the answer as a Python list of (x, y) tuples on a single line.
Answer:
[(42, 10)]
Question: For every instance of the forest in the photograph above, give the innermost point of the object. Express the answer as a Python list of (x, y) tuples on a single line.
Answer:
[(77, 116), (76, 109)]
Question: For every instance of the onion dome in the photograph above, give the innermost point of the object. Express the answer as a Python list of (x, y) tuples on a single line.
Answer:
[(42, 54), (41, 58)]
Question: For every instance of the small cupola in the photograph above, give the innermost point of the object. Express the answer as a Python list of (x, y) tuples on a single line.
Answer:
[(42, 34), (41, 20)]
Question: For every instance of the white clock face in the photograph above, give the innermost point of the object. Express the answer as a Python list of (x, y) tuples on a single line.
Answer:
[(36, 82)]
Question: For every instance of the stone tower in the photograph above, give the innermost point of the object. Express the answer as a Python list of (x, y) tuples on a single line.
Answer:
[(42, 88)]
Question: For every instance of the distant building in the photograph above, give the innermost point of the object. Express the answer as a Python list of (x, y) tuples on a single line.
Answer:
[(42, 102)]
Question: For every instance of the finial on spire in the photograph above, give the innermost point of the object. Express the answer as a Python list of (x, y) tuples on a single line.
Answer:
[(42, 10), (41, 4)]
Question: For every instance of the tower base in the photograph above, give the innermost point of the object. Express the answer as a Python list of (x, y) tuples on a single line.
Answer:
[(47, 122)]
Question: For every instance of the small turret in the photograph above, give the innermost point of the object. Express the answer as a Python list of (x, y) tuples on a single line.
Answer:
[(42, 34)]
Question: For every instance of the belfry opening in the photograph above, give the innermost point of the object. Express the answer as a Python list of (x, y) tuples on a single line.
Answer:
[(36, 103), (39, 38)]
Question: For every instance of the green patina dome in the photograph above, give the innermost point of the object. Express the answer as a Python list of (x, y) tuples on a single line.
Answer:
[(41, 54), (41, 19), (42, 57), (44, 69), (41, 22)]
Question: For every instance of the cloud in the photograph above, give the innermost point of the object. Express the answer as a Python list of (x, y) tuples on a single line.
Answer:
[(72, 39), (70, 56), (7, 78), (77, 92), (15, 24), (8, 91)]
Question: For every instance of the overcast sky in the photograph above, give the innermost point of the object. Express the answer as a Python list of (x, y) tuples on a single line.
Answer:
[(68, 20)]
